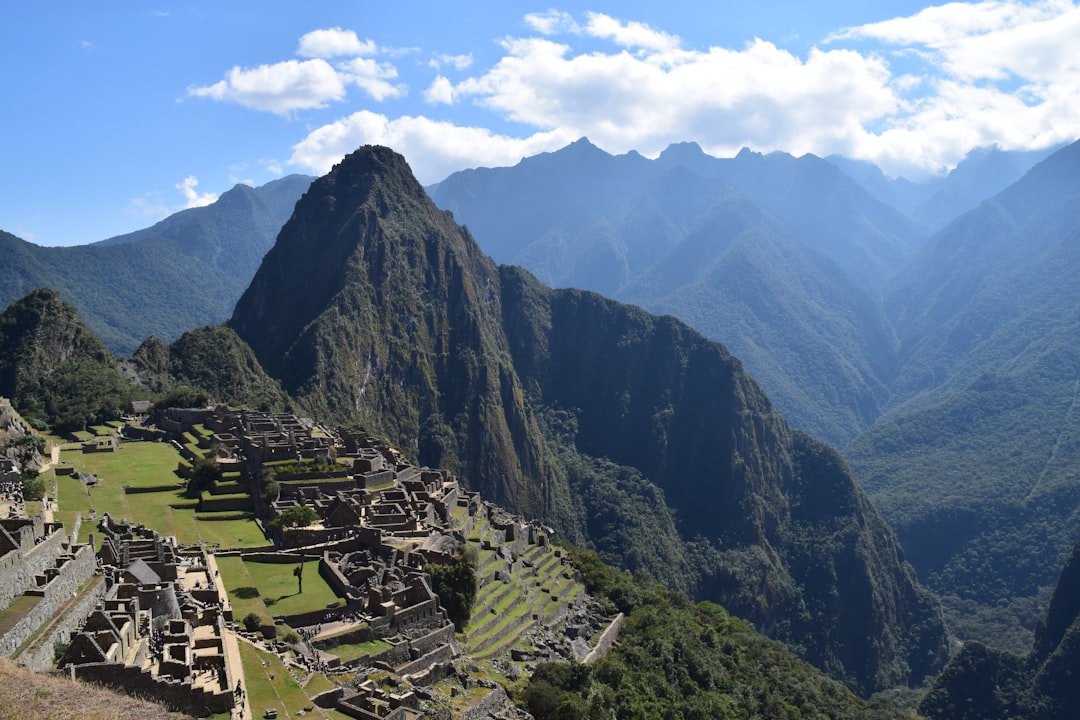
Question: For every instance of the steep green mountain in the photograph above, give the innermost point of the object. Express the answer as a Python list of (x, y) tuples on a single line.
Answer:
[(53, 369), (681, 660), (772, 255), (212, 360), (975, 463), (787, 312), (185, 271), (375, 307), (983, 683)]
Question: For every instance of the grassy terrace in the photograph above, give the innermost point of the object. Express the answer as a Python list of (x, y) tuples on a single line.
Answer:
[(16, 611), (269, 589), (146, 464), (270, 684), (504, 611), (352, 651)]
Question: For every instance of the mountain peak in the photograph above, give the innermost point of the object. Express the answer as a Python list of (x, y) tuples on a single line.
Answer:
[(683, 152)]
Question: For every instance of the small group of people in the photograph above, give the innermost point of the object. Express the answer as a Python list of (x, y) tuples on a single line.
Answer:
[(11, 492)]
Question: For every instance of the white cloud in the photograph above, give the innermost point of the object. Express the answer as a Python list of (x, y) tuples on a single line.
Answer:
[(458, 62), (441, 90), (279, 88), (630, 34), (551, 22), (761, 96), (373, 77), (914, 94), (333, 42), (284, 87), (433, 149), (192, 197)]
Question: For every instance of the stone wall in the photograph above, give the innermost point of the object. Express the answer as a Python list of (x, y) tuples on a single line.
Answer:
[(70, 572), (607, 639), (494, 702), (18, 567), (442, 653), (40, 656), (176, 696)]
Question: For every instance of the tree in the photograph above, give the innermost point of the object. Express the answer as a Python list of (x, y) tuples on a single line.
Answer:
[(204, 473), (296, 516), (298, 571), (455, 584)]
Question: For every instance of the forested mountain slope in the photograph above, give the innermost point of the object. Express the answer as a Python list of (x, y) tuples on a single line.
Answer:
[(185, 271), (984, 683), (773, 255), (375, 307), (977, 468)]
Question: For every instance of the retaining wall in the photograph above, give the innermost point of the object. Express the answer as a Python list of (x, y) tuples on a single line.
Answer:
[(18, 567), (70, 572), (174, 695), (40, 656)]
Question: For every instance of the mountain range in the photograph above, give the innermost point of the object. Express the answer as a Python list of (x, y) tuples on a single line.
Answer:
[(185, 271), (625, 431), (927, 330), (936, 350)]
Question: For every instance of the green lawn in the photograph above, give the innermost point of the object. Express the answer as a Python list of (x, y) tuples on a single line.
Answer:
[(355, 650), (138, 464), (269, 589), (146, 464), (16, 611), (273, 686)]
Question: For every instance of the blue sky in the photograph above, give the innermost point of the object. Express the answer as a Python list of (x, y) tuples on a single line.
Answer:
[(117, 114)]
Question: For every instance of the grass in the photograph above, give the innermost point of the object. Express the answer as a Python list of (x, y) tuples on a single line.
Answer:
[(16, 611), (146, 464), (356, 650), (27, 695), (276, 588), (278, 585), (235, 576), (269, 684)]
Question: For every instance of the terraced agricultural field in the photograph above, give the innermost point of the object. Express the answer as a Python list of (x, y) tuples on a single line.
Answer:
[(169, 511)]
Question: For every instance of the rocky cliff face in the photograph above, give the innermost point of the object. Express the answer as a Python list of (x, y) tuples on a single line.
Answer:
[(375, 307)]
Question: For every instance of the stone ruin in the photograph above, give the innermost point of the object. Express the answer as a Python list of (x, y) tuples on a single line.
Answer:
[(159, 629)]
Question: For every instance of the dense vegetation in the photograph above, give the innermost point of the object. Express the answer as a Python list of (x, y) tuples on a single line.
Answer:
[(54, 370), (950, 363), (985, 683), (677, 659), (455, 584)]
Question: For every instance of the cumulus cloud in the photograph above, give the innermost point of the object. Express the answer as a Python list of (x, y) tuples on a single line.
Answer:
[(192, 197), (551, 22), (374, 77), (291, 85), (913, 94), (760, 96), (280, 88), (441, 90), (333, 42), (999, 72), (630, 34), (433, 148)]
